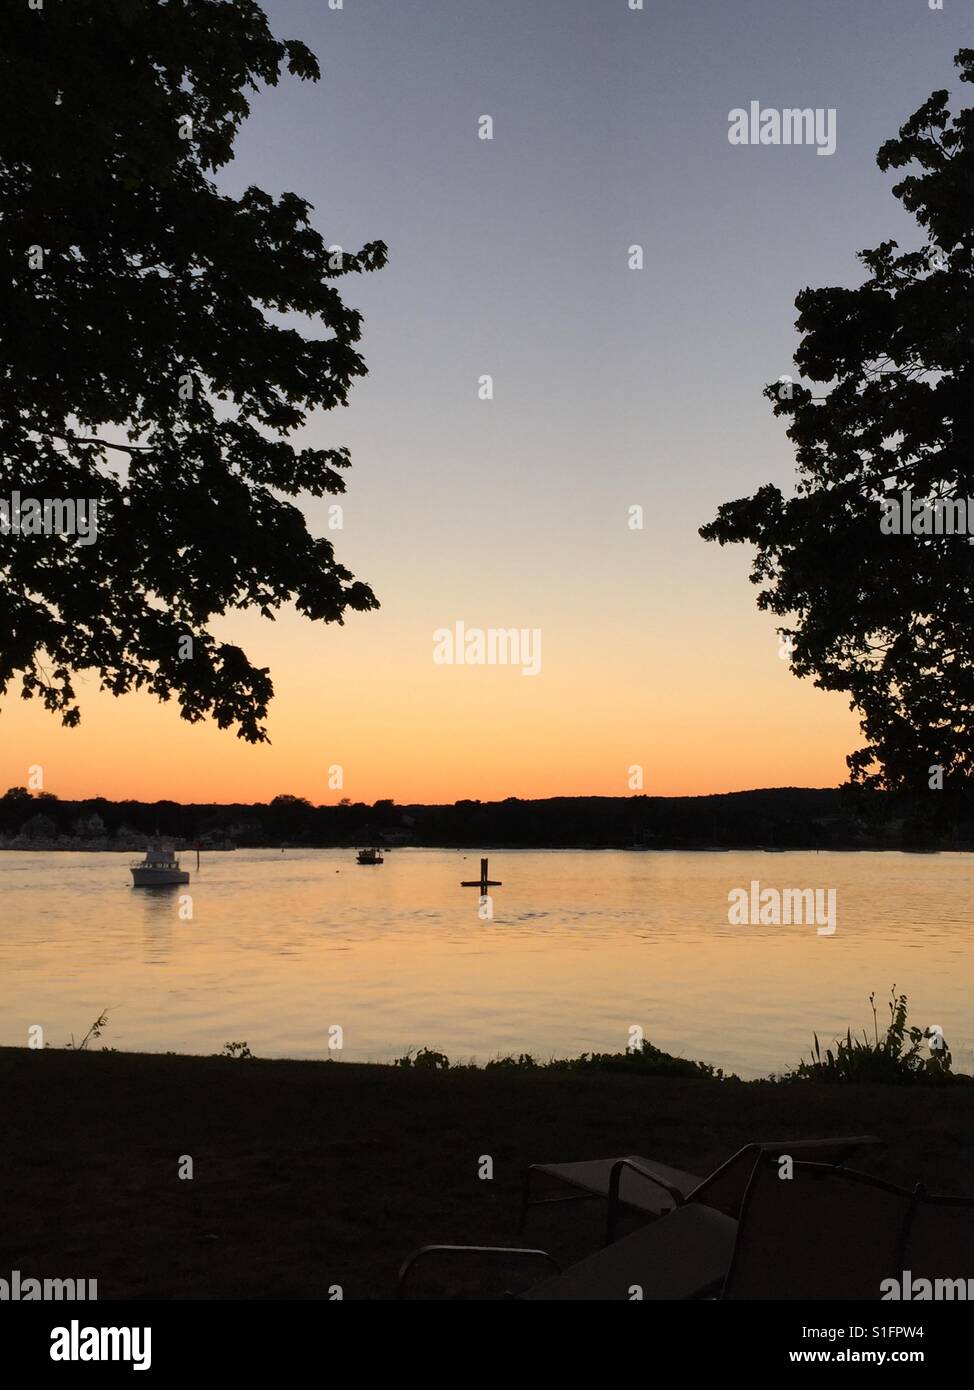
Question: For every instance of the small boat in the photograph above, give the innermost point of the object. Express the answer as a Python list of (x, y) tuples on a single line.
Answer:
[(370, 856), (159, 868)]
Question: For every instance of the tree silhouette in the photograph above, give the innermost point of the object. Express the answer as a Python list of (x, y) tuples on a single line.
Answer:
[(885, 617), (143, 358)]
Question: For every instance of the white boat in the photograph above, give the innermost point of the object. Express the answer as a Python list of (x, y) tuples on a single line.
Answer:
[(369, 856), (159, 868)]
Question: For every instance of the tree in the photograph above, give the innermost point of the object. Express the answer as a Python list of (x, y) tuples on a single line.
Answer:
[(885, 617), (289, 816), (143, 360), (38, 827)]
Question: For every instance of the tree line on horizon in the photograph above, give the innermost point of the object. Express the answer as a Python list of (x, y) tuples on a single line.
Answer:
[(775, 818)]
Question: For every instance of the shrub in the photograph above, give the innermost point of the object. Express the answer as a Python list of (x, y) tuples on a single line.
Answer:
[(425, 1060), (644, 1059), (894, 1057)]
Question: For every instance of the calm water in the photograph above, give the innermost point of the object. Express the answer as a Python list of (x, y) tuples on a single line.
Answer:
[(582, 947)]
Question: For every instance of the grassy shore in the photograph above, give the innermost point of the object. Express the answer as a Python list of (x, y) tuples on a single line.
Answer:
[(313, 1174)]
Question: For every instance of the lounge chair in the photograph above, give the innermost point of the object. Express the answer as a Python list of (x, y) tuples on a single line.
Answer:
[(685, 1255), (653, 1188), (940, 1244), (823, 1233)]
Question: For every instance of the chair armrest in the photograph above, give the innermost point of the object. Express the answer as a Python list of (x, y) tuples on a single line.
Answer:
[(508, 1252), (847, 1143), (615, 1178)]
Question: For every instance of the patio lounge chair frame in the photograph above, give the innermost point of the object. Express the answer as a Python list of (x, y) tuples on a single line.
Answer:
[(613, 1264), (846, 1146), (910, 1197), (505, 1251)]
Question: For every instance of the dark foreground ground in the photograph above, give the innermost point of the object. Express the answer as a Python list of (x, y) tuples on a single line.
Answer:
[(311, 1174)]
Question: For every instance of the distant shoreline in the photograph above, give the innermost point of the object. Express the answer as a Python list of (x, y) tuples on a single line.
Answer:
[(772, 819), (138, 847), (508, 849)]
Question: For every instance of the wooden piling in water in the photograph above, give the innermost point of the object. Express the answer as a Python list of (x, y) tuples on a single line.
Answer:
[(483, 882)]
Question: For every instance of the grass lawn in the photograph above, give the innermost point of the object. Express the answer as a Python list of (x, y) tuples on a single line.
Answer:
[(313, 1174)]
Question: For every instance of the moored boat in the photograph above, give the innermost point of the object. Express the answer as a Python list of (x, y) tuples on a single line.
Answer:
[(369, 856), (159, 868)]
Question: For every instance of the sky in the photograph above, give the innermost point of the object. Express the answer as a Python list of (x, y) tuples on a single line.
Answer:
[(613, 388)]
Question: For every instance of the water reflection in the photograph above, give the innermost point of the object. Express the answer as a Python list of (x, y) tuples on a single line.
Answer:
[(582, 947), (160, 913)]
